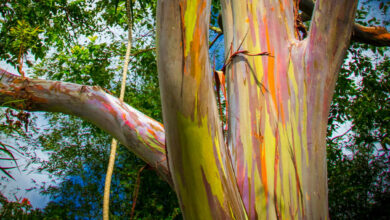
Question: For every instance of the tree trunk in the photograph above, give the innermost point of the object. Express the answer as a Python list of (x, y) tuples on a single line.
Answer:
[(274, 164), (197, 156)]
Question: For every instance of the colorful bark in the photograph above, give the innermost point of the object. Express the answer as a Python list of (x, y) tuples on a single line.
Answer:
[(198, 159), (139, 133), (278, 105)]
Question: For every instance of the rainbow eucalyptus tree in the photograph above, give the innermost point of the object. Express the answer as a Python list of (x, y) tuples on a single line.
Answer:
[(271, 161)]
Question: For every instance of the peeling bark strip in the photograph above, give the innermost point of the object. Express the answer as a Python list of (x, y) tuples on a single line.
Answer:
[(139, 133)]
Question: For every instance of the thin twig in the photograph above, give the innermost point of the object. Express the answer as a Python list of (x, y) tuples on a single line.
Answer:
[(136, 190), (215, 39), (342, 134), (142, 51)]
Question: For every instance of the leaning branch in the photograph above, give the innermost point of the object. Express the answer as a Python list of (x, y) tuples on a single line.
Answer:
[(139, 133), (376, 36)]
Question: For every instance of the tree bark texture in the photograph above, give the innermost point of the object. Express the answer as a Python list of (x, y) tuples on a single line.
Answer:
[(198, 158), (279, 104), (278, 107), (139, 133), (272, 164)]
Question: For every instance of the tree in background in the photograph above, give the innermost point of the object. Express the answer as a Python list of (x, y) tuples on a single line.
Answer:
[(272, 161)]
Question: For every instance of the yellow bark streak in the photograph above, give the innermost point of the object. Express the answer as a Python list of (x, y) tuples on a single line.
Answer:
[(198, 156)]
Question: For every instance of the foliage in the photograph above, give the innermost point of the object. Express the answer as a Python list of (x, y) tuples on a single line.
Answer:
[(61, 22), (358, 160), (12, 123), (215, 10), (18, 210), (79, 157), (5, 149), (88, 63), (25, 38)]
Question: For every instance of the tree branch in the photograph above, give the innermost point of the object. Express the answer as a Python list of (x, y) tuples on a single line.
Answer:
[(138, 132), (339, 136), (324, 52), (216, 29), (376, 36), (329, 36)]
